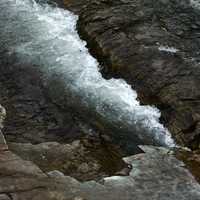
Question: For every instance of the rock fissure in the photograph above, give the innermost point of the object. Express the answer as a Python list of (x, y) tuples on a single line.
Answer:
[(137, 68)]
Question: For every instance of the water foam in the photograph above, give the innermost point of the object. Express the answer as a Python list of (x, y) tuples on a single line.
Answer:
[(168, 49), (46, 37), (195, 3)]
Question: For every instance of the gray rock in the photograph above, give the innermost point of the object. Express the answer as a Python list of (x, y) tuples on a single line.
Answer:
[(55, 174), (156, 175)]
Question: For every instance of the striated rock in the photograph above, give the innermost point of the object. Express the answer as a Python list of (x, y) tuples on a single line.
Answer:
[(157, 170), (156, 174), (154, 45), (31, 115), (22, 180)]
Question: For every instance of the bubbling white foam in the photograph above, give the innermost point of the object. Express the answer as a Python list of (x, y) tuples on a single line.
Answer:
[(46, 37), (168, 49), (195, 3)]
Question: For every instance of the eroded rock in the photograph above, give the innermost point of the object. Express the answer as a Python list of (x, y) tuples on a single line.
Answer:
[(153, 45), (31, 114), (156, 174), (82, 159)]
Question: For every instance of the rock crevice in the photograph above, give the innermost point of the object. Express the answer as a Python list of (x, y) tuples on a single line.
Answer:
[(154, 46)]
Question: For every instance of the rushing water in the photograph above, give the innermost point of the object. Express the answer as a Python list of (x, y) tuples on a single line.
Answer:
[(195, 3), (46, 37)]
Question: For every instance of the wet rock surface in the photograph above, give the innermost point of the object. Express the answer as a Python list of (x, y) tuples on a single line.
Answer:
[(82, 159), (31, 115), (156, 174), (51, 137), (154, 45), (38, 173), (47, 145), (47, 134)]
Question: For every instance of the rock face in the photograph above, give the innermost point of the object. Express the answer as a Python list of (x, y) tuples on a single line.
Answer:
[(155, 174), (3, 145), (82, 159), (154, 45), (31, 115), (48, 134)]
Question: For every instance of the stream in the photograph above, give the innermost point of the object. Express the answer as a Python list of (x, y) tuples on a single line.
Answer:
[(45, 38)]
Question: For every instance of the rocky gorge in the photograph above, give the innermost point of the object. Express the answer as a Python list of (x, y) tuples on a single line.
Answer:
[(55, 149), (154, 46)]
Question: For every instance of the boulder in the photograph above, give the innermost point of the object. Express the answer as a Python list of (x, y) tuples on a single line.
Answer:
[(156, 174)]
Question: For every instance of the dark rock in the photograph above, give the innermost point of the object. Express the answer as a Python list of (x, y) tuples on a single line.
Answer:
[(125, 171), (33, 118), (191, 160), (31, 114), (154, 46), (156, 175), (84, 160)]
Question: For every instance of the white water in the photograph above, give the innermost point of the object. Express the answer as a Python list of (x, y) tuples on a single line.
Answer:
[(46, 37), (168, 49), (195, 3)]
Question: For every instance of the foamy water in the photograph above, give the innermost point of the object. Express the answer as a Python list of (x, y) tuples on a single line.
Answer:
[(195, 3), (168, 49), (46, 37)]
